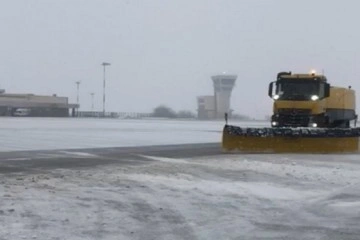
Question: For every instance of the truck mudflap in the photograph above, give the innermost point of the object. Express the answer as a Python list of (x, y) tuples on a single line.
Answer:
[(290, 140)]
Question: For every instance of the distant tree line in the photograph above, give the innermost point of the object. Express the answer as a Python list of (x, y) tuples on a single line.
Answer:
[(240, 117), (163, 111)]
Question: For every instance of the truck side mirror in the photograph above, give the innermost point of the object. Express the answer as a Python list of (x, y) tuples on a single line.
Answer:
[(327, 90), (271, 86)]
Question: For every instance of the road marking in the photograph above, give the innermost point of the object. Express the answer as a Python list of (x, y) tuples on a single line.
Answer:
[(79, 154), (17, 159), (163, 159)]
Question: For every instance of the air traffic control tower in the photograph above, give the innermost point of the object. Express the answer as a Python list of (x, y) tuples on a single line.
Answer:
[(223, 85)]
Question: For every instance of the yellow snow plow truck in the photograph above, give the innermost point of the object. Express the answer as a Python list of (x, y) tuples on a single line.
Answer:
[(309, 116)]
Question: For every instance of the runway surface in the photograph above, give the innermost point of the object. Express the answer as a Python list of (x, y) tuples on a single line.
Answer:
[(31, 160)]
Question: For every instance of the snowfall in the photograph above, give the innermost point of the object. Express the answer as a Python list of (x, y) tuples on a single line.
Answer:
[(224, 196)]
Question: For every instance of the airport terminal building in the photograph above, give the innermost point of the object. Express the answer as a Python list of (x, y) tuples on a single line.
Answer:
[(35, 105)]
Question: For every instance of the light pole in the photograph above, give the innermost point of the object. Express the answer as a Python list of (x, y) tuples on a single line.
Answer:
[(77, 93), (104, 64), (92, 101)]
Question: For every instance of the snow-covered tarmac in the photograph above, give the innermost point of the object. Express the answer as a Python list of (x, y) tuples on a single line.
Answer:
[(71, 133), (214, 197), (158, 194)]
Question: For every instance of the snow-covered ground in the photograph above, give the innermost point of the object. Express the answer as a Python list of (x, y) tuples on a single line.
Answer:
[(218, 197), (227, 196), (70, 133)]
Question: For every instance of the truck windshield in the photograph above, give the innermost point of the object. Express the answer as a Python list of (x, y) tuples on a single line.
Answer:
[(298, 90)]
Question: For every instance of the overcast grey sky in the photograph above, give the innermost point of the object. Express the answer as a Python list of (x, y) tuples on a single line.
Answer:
[(164, 51)]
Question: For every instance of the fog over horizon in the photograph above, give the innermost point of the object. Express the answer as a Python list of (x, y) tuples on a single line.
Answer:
[(165, 52)]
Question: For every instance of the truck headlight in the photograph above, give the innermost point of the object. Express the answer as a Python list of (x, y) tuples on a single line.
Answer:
[(273, 123), (314, 97), (314, 125), (276, 97)]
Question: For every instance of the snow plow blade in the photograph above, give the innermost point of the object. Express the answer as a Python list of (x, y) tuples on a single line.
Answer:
[(290, 140)]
